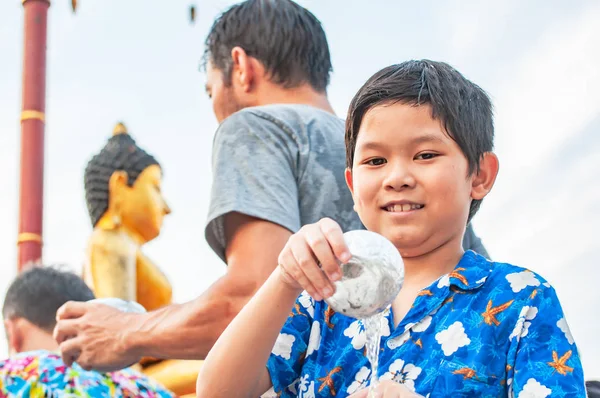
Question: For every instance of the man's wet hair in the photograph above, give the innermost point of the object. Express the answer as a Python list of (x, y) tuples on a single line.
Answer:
[(37, 293), (285, 37), (463, 108)]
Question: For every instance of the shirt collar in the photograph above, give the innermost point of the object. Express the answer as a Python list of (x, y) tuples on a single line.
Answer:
[(471, 272)]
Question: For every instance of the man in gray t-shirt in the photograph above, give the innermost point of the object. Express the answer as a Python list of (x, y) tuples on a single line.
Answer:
[(278, 164)]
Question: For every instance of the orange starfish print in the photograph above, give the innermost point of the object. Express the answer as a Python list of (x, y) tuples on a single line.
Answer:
[(559, 364), (489, 316), (328, 314), (426, 292), (455, 274), (298, 312), (467, 373), (327, 381)]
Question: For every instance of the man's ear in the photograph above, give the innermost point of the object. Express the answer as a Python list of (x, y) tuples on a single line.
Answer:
[(244, 68), (14, 335), (483, 181)]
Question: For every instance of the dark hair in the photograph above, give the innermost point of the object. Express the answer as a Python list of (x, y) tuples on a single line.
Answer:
[(285, 37), (464, 109), (119, 153), (37, 293)]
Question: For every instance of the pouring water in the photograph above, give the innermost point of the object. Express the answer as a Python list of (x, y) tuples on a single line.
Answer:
[(370, 281)]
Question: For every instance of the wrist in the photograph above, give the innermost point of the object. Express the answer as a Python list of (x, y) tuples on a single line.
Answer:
[(134, 336), (286, 282)]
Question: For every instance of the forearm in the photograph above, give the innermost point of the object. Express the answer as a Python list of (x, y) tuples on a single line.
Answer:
[(189, 330), (236, 365)]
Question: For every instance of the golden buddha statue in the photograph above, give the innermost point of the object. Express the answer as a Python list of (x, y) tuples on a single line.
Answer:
[(126, 207)]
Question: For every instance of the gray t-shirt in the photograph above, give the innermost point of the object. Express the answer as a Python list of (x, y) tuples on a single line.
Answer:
[(284, 164)]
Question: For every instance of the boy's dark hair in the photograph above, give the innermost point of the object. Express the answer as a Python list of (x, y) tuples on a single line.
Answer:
[(37, 293), (464, 109), (285, 37)]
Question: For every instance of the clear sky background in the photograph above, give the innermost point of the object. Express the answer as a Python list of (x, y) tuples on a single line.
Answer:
[(137, 61)]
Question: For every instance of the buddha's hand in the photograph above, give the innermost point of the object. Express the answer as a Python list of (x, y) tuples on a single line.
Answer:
[(311, 258), (96, 336), (386, 389)]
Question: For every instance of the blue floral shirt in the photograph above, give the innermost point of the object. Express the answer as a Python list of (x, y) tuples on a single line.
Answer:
[(486, 329)]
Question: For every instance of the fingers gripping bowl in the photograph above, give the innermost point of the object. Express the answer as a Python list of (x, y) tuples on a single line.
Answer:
[(372, 278)]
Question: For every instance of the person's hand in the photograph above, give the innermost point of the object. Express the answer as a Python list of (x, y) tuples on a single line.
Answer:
[(310, 258), (95, 336), (387, 389)]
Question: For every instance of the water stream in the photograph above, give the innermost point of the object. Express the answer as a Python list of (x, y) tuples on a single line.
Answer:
[(373, 334)]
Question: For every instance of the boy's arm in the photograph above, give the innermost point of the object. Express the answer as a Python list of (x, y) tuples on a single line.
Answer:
[(546, 360), (268, 331), (236, 366)]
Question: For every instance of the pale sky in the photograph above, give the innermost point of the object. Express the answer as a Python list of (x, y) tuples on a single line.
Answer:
[(138, 63)]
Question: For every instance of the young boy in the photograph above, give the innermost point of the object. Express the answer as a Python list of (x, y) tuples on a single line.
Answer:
[(419, 140)]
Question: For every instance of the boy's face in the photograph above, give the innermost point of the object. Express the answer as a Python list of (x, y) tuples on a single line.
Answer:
[(409, 179)]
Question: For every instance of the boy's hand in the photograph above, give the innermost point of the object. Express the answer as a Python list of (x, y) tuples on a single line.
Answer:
[(386, 389), (311, 258)]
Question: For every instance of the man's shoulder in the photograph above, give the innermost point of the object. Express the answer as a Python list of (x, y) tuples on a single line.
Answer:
[(24, 360), (292, 118), (30, 365), (286, 112)]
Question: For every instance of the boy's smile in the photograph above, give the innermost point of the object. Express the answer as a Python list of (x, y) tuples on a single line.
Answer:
[(410, 180), (402, 206)]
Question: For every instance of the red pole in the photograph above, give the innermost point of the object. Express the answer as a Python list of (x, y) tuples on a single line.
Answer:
[(31, 195)]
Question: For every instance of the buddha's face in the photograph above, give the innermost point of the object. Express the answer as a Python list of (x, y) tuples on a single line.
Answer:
[(143, 206)]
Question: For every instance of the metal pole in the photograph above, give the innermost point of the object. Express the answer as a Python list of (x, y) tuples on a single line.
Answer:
[(31, 194)]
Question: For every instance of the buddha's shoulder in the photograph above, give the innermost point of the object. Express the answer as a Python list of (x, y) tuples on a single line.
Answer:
[(102, 239)]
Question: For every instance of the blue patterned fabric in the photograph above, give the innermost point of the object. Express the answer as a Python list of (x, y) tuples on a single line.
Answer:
[(486, 329)]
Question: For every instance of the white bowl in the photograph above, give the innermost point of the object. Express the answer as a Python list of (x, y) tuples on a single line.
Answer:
[(372, 278), (120, 304)]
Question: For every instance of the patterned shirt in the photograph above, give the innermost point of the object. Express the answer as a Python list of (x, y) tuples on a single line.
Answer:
[(486, 329), (43, 374)]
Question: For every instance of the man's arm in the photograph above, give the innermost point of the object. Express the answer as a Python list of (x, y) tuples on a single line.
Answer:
[(107, 340), (252, 250)]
